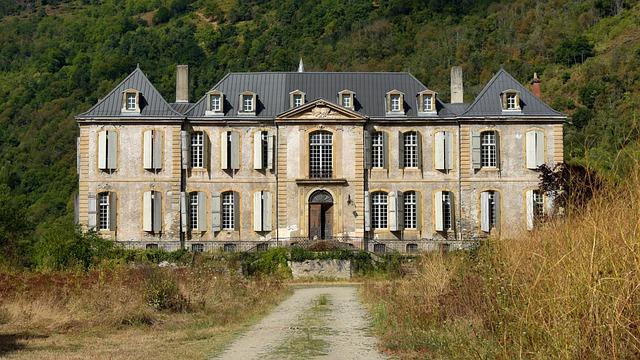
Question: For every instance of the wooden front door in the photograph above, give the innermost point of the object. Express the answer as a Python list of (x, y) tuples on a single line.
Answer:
[(315, 221), (320, 215)]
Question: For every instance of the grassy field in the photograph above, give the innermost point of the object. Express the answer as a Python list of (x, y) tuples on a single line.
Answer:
[(567, 290), (137, 312)]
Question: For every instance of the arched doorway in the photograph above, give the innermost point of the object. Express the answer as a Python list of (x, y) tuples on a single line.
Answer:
[(320, 215)]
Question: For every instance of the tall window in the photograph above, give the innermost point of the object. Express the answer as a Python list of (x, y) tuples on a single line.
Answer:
[(410, 149), (131, 101), (427, 103), (379, 210), (488, 149), (103, 208), (446, 210), (247, 103), (216, 103), (538, 206), (395, 102), (492, 210), (193, 210), (410, 210), (377, 147), (197, 149), (512, 101), (297, 100), (228, 211), (264, 146), (321, 154)]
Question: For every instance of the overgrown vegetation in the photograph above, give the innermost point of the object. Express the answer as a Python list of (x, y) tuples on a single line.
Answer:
[(567, 290)]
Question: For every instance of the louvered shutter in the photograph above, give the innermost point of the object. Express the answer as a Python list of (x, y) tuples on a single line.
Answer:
[(202, 211), (78, 155), (157, 211), (475, 150), (419, 148), (206, 150), (102, 150), (539, 148), (400, 210), (401, 150), (531, 149), (183, 211), (367, 150), (367, 212), (496, 201), (267, 211), (418, 211), (215, 212), (147, 203), (224, 157), (439, 214), (236, 210), (113, 211), (484, 211), (257, 150), (91, 207), (530, 216), (440, 160), (147, 149), (235, 150), (112, 149), (185, 147), (257, 211), (385, 149), (448, 150), (498, 165), (158, 147), (271, 151), (392, 211)]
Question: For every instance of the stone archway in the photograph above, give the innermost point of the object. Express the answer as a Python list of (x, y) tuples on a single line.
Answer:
[(320, 215)]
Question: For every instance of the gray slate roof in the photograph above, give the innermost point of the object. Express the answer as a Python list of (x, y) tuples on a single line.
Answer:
[(488, 102), (181, 107), (273, 88), (152, 103)]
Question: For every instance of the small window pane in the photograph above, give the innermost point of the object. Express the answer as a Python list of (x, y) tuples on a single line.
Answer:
[(215, 103), (428, 103), (346, 100), (410, 210), (193, 210), (247, 103), (411, 149), (511, 101), (377, 147), (197, 149), (395, 102), (379, 210), (488, 149), (228, 211), (297, 100), (131, 101), (446, 210), (103, 204)]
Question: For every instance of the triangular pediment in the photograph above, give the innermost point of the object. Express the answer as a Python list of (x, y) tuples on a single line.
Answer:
[(320, 109)]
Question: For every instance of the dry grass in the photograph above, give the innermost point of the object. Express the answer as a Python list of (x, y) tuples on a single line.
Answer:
[(569, 290), (107, 314)]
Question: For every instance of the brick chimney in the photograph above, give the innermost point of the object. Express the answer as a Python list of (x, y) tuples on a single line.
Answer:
[(182, 83), (535, 85), (457, 89)]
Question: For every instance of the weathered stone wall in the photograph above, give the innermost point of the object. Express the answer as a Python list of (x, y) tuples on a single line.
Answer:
[(335, 269)]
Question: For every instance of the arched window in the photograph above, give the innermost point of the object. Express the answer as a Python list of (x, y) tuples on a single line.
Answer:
[(321, 154), (379, 210)]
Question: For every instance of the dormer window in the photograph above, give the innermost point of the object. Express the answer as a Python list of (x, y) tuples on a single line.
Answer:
[(247, 103), (215, 103), (131, 101), (345, 98), (427, 103), (296, 98), (395, 103), (510, 100)]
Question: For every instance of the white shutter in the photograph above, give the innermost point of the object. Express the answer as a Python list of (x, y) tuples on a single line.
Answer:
[(367, 212), (529, 200), (202, 211), (257, 150), (112, 149), (392, 211), (440, 150), (437, 206), (185, 148), (215, 212), (147, 149), (257, 211), (224, 163), (102, 150), (235, 150), (157, 211), (367, 150), (113, 211), (484, 211), (531, 149), (539, 148), (448, 150), (147, 222), (270, 151), (158, 146), (183, 210), (475, 150), (92, 204), (267, 210)]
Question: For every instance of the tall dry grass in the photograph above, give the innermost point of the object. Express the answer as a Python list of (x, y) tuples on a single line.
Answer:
[(567, 290)]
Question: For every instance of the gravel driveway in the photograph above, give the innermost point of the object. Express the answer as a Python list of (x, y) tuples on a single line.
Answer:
[(314, 323)]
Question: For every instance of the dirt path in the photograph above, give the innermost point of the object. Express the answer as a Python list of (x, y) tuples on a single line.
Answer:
[(316, 322)]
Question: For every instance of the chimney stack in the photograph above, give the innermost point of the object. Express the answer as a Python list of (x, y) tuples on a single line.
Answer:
[(535, 85), (182, 83), (457, 89)]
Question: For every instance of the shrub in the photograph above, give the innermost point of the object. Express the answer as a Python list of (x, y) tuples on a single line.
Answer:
[(574, 51), (162, 292), (270, 262), (162, 16)]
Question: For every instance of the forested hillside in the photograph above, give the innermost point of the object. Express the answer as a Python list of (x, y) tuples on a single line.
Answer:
[(58, 57)]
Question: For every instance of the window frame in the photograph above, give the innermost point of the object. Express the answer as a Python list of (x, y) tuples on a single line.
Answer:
[(197, 150), (410, 150), (390, 108), (347, 94), (410, 203), (294, 96), (447, 211), (377, 150), (242, 102), (510, 101), (125, 101), (321, 154), (228, 211), (489, 149), (194, 208), (210, 111), (379, 210), (104, 211)]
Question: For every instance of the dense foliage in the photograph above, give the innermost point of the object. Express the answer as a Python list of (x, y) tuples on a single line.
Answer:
[(58, 57)]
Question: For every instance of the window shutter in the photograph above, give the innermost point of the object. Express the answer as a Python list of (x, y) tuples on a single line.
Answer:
[(102, 150), (113, 211), (78, 155), (236, 210), (112, 149), (440, 160), (270, 151), (367, 150), (529, 199), (498, 150), (158, 147), (392, 211), (257, 211), (448, 150), (496, 200), (257, 150), (183, 211), (224, 158), (215, 212), (419, 148), (202, 211), (418, 211), (401, 150), (205, 150), (531, 149), (147, 222), (157, 211), (185, 146), (475, 150), (92, 204), (267, 210), (235, 150), (147, 149), (385, 149), (367, 212), (484, 211), (439, 214), (539, 148), (400, 210)]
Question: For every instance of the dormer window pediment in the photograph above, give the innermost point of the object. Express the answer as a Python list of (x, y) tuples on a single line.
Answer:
[(247, 103), (427, 102), (510, 100), (215, 103), (131, 101), (346, 98), (395, 103), (296, 98)]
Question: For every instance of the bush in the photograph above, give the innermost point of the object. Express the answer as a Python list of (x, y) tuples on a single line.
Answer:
[(270, 262), (162, 16), (574, 51), (162, 292)]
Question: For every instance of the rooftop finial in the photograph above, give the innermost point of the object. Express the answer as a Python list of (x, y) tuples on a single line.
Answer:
[(300, 66)]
